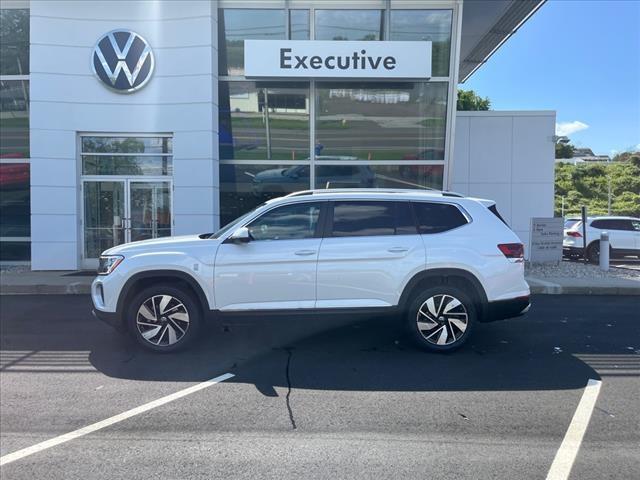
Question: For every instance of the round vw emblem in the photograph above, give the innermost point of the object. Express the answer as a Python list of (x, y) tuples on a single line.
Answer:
[(123, 61)]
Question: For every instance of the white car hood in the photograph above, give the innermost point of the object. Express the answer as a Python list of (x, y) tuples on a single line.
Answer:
[(164, 243)]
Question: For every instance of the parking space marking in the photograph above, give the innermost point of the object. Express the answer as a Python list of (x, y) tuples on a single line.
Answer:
[(25, 452), (566, 455)]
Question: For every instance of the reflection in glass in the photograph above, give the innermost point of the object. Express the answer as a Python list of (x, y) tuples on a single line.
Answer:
[(264, 121), (237, 25), (434, 25), (14, 41), (127, 165), (379, 176), (14, 200), (126, 144), (242, 187), (103, 217), (381, 121), (349, 24), (14, 119), (287, 223), (150, 210), (299, 24)]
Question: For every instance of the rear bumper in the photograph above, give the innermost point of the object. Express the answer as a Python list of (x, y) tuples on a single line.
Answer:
[(110, 318), (572, 250), (501, 309)]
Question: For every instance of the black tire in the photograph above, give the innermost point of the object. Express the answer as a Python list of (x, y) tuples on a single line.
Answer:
[(177, 326), (593, 253), (436, 318)]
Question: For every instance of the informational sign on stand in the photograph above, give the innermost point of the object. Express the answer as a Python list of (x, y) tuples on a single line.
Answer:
[(546, 240)]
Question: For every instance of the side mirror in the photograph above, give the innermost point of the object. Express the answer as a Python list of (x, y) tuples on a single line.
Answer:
[(241, 235)]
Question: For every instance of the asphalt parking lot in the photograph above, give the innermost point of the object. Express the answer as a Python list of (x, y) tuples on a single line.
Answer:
[(320, 398)]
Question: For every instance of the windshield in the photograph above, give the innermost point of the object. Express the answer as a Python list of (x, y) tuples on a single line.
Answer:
[(231, 225)]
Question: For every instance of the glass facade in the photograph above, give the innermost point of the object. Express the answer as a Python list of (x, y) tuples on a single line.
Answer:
[(15, 214), (279, 137)]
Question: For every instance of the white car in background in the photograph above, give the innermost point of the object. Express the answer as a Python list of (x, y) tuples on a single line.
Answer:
[(624, 237)]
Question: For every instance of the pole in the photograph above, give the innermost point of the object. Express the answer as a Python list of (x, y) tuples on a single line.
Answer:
[(583, 211), (266, 122)]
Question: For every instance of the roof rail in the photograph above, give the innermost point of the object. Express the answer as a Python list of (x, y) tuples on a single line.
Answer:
[(444, 193)]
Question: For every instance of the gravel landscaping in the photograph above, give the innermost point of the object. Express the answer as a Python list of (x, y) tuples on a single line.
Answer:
[(574, 269)]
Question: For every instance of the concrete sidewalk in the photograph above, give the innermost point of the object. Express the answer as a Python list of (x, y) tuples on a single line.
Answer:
[(62, 283)]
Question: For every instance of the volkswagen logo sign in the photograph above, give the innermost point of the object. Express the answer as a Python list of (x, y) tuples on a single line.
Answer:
[(123, 61)]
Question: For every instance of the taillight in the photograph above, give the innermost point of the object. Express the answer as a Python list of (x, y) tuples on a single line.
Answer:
[(572, 233), (513, 251)]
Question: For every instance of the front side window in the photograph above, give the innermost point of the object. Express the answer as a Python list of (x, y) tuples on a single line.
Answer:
[(437, 217), (289, 222), (363, 219)]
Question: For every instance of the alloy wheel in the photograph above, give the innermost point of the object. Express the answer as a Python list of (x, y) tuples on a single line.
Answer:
[(442, 319), (162, 320)]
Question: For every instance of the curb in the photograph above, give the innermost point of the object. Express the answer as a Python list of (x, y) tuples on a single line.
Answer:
[(76, 288), (542, 287)]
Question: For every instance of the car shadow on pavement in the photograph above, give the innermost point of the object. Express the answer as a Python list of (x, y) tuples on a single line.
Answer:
[(541, 351)]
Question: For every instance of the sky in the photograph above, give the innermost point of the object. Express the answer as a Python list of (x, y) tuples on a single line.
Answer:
[(580, 58)]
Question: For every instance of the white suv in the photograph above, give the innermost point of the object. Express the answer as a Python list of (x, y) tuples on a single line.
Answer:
[(441, 261), (624, 237)]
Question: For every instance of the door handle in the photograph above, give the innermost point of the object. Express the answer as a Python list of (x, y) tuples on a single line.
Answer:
[(303, 253), (397, 250)]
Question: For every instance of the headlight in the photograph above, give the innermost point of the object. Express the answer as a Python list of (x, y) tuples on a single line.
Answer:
[(108, 263)]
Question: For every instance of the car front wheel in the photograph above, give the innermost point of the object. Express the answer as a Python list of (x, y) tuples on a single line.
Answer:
[(441, 318), (164, 318)]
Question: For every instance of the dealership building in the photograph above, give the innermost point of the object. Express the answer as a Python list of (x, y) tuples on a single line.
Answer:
[(130, 120)]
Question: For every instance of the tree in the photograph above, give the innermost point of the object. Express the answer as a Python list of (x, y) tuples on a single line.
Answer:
[(468, 100), (564, 150)]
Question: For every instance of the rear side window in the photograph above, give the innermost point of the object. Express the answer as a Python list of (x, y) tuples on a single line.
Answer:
[(437, 217), (366, 219), (612, 224)]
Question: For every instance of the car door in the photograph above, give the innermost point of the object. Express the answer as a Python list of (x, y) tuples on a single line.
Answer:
[(621, 236), (276, 269), (635, 224), (370, 250)]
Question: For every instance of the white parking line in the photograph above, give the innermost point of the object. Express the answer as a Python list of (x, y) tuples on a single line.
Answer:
[(561, 466), (25, 452)]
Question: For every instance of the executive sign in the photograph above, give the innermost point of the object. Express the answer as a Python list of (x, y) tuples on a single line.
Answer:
[(123, 61), (337, 59)]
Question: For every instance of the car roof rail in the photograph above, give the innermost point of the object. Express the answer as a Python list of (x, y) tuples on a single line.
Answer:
[(372, 190)]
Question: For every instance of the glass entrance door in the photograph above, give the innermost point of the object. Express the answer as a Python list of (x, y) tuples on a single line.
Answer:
[(121, 211)]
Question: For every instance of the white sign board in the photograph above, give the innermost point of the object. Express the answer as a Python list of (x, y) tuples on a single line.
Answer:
[(546, 240), (336, 59)]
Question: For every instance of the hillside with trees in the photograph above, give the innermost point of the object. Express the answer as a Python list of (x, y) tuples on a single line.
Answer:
[(588, 184)]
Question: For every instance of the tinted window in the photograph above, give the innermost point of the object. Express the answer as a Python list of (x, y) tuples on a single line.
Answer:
[(287, 222), (437, 217), (612, 224), (405, 222), (357, 219)]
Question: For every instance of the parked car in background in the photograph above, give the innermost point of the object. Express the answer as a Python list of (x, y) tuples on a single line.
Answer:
[(439, 261), (624, 237)]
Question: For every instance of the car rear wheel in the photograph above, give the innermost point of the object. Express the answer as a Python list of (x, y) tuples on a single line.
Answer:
[(164, 318), (441, 318)]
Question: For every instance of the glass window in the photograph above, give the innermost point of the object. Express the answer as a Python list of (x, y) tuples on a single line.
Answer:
[(349, 24), (405, 222), (288, 222), (237, 25), (103, 216), (15, 209), (14, 41), (635, 225), (242, 187), (379, 176), (299, 25), (15, 251), (126, 144), (263, 121), (381, 121), (361, 218), (437, 217), (434, 25), (127, 155), (14, 119)]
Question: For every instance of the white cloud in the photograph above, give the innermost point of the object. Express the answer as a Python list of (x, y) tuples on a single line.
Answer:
[(568, 128)]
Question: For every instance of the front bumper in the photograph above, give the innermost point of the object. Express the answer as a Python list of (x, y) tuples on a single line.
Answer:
[(502, 309)]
